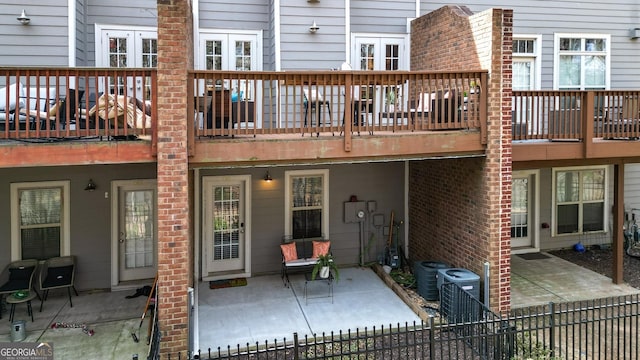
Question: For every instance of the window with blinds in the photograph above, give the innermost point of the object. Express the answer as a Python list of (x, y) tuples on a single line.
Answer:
[(40, 222)]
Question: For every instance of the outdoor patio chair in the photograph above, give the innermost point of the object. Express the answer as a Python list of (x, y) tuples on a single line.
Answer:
[(9, 106), (123, 110), (17, 276), (299, 255), (315, 100), (57, 273)]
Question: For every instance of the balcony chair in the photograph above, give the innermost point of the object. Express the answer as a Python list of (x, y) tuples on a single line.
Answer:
[(17, 276), (15, 102), (57, 273), (361, 108), (315, 100), (110, 109)]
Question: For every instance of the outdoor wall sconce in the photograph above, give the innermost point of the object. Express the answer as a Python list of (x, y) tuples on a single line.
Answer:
[(90, 186), (267, 177), (23, 18), (314, 27)]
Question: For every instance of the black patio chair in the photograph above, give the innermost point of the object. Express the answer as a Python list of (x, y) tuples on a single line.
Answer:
[(57, 273), (17, 276)]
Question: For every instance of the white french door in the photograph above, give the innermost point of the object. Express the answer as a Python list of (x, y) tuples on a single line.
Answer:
[(372, 52), (239, 52), (524, 211), (524, 79), (379, 53), (119, 48), (225, 237), (135, 230)]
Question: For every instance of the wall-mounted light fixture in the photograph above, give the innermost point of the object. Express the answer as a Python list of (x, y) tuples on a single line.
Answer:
[(90, 186), (313, 1), (314, 27), (23, 18), (267, 177)]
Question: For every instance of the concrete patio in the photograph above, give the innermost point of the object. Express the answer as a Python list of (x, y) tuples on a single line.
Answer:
[(552, 279), (110, 315), (265, 309)]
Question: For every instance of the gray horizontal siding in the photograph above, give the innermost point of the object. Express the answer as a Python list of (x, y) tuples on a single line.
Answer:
[(117, 12), (547, 18), (302, 50), (90, 214), (242, 15), (41, 43), (382, 182), (81, 35), (239, 15), (632, 187), (381, 16)]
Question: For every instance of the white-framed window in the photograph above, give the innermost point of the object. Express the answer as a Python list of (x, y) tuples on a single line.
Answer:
[(580, 200), (380, 52), (120, 46), (232, 50), (39, 220), (307, 204), (582, 61), (526, 62)]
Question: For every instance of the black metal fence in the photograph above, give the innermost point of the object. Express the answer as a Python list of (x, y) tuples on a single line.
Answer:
[(595, 329)]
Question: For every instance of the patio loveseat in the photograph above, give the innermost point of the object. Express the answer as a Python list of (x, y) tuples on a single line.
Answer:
[(301, 255)]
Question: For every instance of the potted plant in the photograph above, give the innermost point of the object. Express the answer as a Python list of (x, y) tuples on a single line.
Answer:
[(391, 100), (324, 266)]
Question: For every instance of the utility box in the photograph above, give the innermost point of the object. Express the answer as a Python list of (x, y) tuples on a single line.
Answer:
[(354, 211)]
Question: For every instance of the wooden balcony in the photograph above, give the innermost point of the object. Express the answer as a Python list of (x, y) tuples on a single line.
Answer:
[(575, 125), (37, 103), (235, 113), (304, 102)]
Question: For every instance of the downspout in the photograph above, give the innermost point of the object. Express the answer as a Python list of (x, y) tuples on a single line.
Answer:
[(347, 31), (196, 34), (276, 35), (71, 35)]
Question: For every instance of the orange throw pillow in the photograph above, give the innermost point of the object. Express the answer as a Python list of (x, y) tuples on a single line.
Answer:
[(320, 248), (289, 251)]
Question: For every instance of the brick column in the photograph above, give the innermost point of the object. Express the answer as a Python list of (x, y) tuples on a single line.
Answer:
[(453, 38), (175, 269)]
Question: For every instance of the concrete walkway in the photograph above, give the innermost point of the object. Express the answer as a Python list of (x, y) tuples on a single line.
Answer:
[(552, 279)]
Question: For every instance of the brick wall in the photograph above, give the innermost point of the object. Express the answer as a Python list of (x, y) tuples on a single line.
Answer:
[(175, 255), (460, 208)]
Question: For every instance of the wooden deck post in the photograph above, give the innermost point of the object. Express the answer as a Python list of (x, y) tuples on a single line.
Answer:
[(618, 217)]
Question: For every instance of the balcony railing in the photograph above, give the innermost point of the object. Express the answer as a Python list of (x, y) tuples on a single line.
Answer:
[(576, 115), (227, 103), (69, 103)]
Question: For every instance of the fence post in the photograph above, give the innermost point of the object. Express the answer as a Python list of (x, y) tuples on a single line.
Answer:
[(295, 346), (507, 340), (552, 329), (432, 340)]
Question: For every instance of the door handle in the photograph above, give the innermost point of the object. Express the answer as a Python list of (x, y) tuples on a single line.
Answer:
[(121, 237)]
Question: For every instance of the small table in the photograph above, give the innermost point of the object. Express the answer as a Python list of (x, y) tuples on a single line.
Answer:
[(307, 280), (13, 300)]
